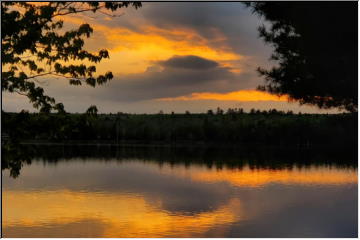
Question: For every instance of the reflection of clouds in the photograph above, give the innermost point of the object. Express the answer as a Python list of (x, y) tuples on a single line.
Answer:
[(88, 227), (137, 199), (120, 215), (260, 177), (176, 194)]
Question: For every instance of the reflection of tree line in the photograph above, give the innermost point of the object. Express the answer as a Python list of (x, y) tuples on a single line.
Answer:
[(234, 126), (211, 156)]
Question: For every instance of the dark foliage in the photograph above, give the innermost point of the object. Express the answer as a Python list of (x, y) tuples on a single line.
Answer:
[(34, 44), (233, 127), (260, 138), (315, 45)]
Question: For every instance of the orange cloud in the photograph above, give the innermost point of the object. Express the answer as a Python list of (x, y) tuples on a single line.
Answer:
[(242, 95), (134, 52)]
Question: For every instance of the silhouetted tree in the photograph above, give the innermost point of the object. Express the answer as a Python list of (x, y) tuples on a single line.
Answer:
[(210, 112), (34, 44), (230, 111), (219, 111), (92, 110), (315, 45), (273, 111)]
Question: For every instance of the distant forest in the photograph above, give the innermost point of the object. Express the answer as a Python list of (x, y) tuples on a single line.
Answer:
[(233, 126)]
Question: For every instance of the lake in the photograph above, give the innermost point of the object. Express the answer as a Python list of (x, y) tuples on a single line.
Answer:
[(108, 191)]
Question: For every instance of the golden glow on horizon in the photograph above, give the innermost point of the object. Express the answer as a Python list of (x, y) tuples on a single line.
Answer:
[(242, 95), (123, 215)]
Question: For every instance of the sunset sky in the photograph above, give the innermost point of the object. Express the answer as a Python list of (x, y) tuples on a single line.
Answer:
[(171, 57)]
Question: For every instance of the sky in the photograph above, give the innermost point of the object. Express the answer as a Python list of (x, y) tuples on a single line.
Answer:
[(175, 56)]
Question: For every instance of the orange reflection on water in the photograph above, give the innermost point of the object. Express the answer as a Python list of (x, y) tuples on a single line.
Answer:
[(260, 177), (66, 213), (112, 214)]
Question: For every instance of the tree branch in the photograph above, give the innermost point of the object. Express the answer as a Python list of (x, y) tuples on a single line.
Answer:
[(39, 75), (23, 94)]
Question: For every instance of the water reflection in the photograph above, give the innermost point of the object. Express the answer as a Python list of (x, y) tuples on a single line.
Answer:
[(130, 193), (261, 177), (14, 156), (120, 215)]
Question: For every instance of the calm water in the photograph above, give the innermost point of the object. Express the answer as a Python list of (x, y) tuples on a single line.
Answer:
[(159, 193)]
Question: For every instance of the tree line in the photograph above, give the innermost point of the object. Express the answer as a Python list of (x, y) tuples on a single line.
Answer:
[(233, 126)]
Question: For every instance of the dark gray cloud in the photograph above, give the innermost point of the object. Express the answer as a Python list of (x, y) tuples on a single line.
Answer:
[(190, 62), (181, 75), (232, 19), (229, 26)]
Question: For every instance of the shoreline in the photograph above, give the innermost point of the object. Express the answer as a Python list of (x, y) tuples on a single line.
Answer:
[(186, 144)]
